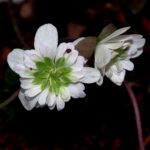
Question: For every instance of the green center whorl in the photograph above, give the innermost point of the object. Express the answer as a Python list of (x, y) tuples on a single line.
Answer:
[(51, 74)]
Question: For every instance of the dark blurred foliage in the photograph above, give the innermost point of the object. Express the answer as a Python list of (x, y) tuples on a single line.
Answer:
[(104, 120)]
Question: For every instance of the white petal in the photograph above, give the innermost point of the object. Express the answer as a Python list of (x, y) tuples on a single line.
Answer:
[(76, 76), (33, 91), (28, 104), (43, 97), (16, 58), (29, 62), (33, 54), (127, 64), (91, 75), (116, 77), (102, 56), (78, 65), (115, 45), (115, 34), (102, 73), (52, 107), (136, 45), (118, 67), (20, 68), (16, 62), (100, 81), (121, 38), (138, 53), (60, 104), (46, 40), (51, 99), (77, 90), (23, 71), (139, 42), (65, 94), (132, 50), (30, 56), (26, 83), (26, 73), (61, 50), (71, 57)]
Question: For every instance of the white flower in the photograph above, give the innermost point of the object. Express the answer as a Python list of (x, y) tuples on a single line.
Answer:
[(50, 75), (113, 54)]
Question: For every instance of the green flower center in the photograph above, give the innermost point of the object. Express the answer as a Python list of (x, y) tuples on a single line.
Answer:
[(51, 74)]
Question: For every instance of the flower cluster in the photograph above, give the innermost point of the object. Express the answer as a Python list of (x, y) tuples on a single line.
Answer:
[(52, 74)]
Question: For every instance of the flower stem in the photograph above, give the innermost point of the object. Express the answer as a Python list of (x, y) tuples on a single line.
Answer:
[(137, 115), (9, 100)]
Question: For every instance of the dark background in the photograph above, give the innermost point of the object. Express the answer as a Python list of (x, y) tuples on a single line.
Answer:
[(104, 120)]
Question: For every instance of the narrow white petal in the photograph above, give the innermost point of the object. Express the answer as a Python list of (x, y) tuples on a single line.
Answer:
[(61, 50), (51, 100), (91, 75), (28, 104), (136, 36), (26, 83), (114, 45), (102, 73), (43, 97), (33, 91), (115, 34), (121, 38), (78, 40), (65, 94), (46, 40), (60, 104), (102, 56)]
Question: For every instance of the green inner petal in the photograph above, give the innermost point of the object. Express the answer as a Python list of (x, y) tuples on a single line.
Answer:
[(52, 75), (121, 55)]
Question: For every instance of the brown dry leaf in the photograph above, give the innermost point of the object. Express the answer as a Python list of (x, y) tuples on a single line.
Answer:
[(110, 28), (87, 46)]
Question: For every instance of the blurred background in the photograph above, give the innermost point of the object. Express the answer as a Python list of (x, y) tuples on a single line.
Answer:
[(104, 120)]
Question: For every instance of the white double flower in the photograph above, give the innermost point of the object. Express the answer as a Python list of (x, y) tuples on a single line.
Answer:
[(113, 54), (50, 75)]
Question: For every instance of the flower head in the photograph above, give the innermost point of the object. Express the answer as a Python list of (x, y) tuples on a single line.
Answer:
[(50, 75), (113, 54)]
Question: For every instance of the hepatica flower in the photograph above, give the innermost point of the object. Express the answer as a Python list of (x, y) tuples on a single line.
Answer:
[(113, 54), (51, 74)]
